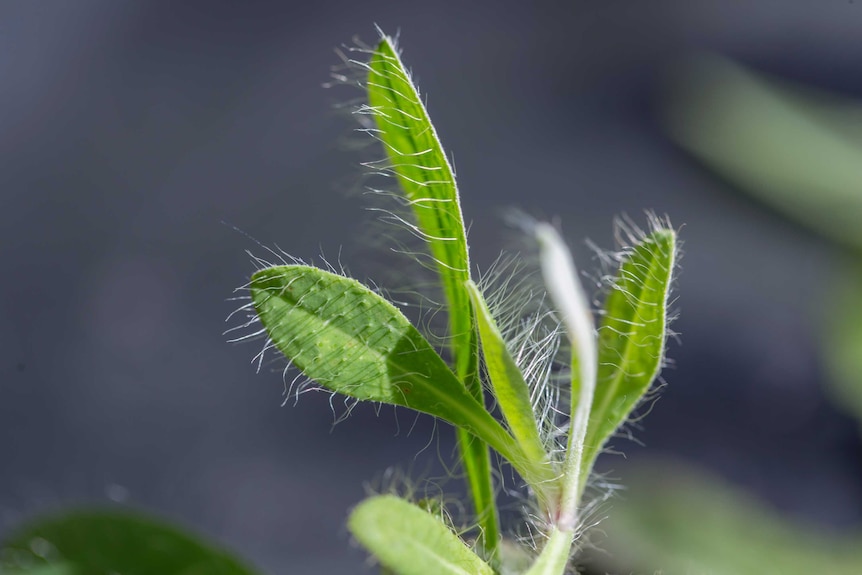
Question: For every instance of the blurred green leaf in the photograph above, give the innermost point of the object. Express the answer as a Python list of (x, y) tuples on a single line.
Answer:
[(108, 542), (55, 569), (415, 156), (632, 337), (675, 521), (795, 149), (410, 541), (799, 150), (842, 343)]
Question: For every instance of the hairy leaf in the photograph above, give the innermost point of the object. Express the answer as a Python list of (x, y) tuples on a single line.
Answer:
[(410, 541), (510, 389), (352, 341), (96, 542), (415, 156), (631, 338), (570, 301)]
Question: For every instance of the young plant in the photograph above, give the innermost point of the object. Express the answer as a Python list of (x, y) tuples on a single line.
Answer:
[(350, 340)]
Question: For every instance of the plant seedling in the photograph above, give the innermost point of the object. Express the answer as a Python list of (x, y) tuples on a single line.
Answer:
[(561, 382), (349, 340)]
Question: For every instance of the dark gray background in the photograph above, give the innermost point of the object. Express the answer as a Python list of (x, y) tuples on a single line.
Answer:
[(129, 131)]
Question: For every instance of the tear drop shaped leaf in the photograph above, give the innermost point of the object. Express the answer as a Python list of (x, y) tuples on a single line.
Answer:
[(631, 337), (352, 341), (415, 157), (103, 542), (410, 541), (510, 389)]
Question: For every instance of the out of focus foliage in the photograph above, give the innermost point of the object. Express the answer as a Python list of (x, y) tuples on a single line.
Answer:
[(799, 151), (677, 522), (104, 542), (842, 340)]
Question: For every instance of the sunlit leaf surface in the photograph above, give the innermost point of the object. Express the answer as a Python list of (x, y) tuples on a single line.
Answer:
[(410, 541), (631, 337)]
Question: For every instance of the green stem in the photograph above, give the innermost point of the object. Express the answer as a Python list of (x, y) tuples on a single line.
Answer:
[(555, 555), (477, 465), (475, 453)]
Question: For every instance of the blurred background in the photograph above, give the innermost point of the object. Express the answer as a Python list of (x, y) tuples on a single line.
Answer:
[(136, 136)]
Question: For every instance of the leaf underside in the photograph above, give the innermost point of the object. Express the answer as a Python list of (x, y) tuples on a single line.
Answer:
[(410, 541), (352, 341)]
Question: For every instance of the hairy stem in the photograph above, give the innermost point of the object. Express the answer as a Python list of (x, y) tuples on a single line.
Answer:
[(555, 554)]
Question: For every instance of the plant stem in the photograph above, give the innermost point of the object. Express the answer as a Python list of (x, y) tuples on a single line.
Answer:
[(477, 465), (474, 451), (555, 555)]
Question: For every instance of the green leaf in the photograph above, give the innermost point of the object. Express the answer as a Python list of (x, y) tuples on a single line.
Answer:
[(796, 150), (677, 521), (411, 541), (352, 341), (510, 389), (55, 569), (108, 542), (842, 343), (416, 158), (631, 338)]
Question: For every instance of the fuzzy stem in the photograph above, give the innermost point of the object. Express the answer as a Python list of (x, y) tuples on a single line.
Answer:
[(555, 555), (477, 465)]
